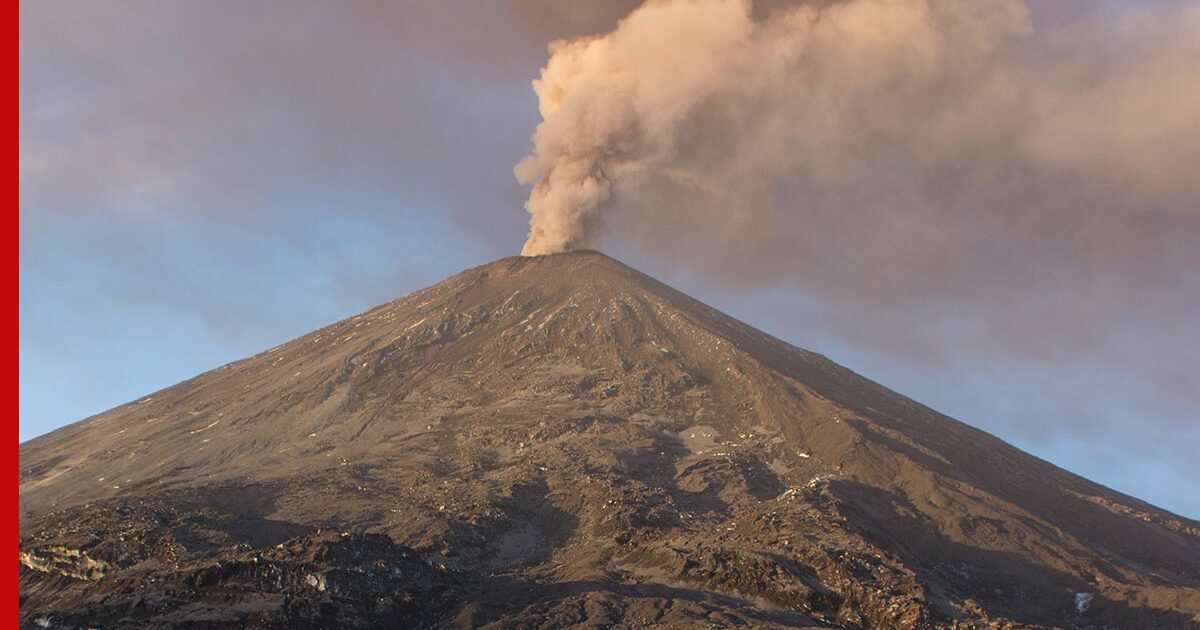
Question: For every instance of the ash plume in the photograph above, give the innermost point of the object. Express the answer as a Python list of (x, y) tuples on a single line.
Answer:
[(727, 122)]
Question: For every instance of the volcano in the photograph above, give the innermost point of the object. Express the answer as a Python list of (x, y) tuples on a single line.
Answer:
[(562, 441)]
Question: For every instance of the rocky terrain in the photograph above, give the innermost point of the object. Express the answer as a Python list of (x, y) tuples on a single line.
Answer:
[(561, 441)]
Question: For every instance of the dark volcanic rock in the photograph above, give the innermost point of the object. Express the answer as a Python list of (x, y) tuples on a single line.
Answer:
[(561, 441), (320, 580)]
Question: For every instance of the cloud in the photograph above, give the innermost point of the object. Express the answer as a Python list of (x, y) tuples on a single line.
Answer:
[(177, 107)]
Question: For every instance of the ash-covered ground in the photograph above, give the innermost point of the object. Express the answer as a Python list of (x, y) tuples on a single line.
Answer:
[(561, 441)]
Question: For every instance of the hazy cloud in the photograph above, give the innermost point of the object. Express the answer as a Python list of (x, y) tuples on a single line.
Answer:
[(178, 107)]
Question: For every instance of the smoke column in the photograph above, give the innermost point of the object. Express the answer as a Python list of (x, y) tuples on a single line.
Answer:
[(728, 117)]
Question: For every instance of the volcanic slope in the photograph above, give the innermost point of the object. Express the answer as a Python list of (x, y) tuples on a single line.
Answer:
[(562, 441)]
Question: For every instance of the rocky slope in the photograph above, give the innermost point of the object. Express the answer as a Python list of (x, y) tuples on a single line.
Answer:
[(562, 441)]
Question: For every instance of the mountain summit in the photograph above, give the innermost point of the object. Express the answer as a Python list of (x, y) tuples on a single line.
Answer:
[(559, 441)]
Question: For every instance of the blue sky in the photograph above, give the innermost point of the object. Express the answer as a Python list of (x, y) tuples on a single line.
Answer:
[(204, 181)]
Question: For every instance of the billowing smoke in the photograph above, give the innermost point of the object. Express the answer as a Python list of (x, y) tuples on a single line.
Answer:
[(738, 125)]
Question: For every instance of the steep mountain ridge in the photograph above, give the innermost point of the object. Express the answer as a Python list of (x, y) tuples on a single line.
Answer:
[(565, 438)]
